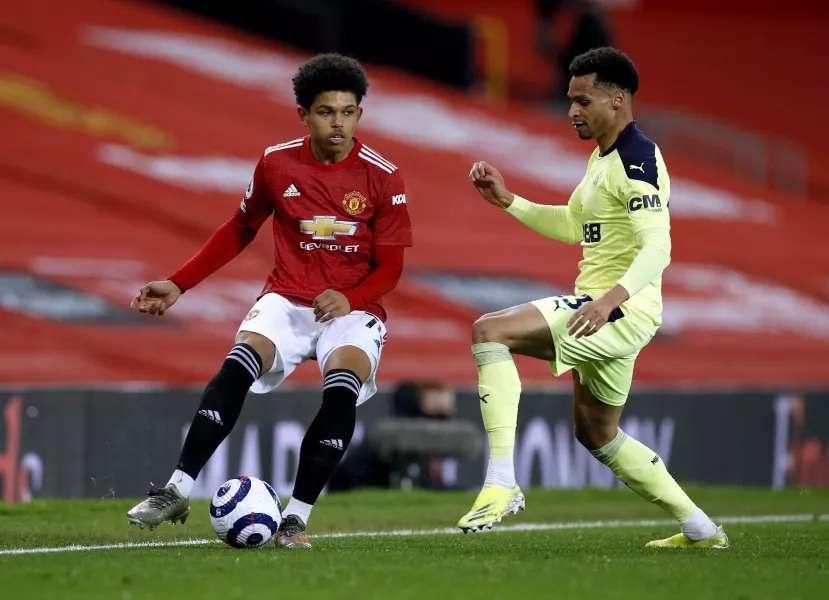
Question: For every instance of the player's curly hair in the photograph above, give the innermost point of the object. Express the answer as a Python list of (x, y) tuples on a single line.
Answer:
[(327, 73), (611, 66)]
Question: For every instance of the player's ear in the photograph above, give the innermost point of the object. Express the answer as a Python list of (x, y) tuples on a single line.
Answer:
[(618, 99), (303, 115), (359, 113)]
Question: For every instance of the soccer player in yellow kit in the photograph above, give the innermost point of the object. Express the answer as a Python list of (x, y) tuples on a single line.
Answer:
[(619, 213)]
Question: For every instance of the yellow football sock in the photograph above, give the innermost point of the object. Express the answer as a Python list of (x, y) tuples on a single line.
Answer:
[(641, 469), (499, 389)]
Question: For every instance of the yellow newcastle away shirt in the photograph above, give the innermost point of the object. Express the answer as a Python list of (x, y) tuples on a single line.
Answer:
[(625, 192)]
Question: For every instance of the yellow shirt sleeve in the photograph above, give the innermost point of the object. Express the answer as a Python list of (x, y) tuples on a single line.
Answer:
[(563, 223), (653, 258), (647, 208)]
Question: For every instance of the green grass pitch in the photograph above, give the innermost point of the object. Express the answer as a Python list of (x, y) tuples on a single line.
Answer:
[(787, 558)]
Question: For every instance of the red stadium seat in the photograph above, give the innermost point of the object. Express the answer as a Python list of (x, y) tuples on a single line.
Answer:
[(130, 133)]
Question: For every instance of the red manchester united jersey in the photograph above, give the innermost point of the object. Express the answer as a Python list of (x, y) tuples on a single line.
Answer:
[(326, 218)]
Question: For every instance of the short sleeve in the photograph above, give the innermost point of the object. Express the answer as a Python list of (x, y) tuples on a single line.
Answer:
[(391, 225)]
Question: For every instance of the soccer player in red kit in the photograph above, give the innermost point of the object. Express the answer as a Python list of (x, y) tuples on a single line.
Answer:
[(340, 226)]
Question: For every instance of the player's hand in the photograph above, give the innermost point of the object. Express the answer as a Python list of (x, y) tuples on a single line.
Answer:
[(490, 184), (156, 297), (591, 317), (330, 304)]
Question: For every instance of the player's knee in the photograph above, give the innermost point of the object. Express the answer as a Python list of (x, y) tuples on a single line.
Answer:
[(489, 328), (584, 434), (351, 358), (261, 345), (593, 435)]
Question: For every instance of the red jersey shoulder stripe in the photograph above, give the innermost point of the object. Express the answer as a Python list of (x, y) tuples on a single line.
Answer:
[(368, 158), (376, 155), (383, 164), (285, 146)]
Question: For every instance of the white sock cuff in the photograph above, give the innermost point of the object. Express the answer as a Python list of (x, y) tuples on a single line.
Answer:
[(501, 472), (698, 526), (300, 509), (183, 482)]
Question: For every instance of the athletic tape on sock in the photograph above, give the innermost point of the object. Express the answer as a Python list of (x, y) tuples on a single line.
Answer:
[(488, 353), (606, 452)]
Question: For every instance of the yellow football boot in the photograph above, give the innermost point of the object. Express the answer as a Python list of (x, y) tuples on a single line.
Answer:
[(719, 541), (493, 504)]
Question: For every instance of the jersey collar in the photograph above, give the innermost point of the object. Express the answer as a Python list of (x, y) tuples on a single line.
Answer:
[(309, 159), (625, 133)]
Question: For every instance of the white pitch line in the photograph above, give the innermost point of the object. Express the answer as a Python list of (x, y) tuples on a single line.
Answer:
[(497, 529), (573, 525), (445, 531), (125, 545)]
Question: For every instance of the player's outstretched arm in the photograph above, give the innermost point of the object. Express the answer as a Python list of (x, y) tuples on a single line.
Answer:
[(556, 222), (226, 243)]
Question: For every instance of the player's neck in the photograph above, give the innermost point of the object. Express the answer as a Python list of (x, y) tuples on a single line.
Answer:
[(606, 140), (338, 155)]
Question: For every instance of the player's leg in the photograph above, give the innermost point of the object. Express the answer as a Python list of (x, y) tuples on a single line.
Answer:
[(219, 408), (349, 352), (599, 392), (495, 338), (221, 404), (252, 359)]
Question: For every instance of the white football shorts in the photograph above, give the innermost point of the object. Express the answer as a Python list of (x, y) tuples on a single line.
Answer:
[(297, 338)]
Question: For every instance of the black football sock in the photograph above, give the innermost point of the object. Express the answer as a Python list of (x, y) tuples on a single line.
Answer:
[(220, 407), (328, 436)]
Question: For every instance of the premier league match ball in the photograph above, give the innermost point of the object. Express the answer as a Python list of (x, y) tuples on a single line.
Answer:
[(245, 512)]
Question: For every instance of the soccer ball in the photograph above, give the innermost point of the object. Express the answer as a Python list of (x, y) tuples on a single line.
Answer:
[(245, 512)]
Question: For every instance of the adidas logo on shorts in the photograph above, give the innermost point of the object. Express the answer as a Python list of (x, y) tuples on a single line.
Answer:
[(291, 191)]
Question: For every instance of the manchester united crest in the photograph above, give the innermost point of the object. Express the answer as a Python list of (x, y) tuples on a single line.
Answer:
[(354, 203)]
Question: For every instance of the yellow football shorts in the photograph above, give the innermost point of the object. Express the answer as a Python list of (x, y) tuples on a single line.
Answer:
[(604, 360)]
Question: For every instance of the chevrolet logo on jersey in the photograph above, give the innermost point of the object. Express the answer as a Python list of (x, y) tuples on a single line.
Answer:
[(327, 228)]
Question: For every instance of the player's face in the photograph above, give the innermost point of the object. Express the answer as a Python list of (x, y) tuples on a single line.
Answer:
[(591, 107), (332, 120)]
